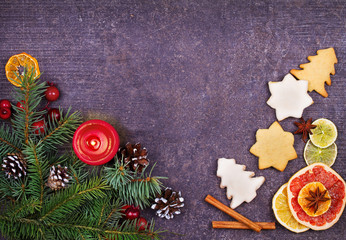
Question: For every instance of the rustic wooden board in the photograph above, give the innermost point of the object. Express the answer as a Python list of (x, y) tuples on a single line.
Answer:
[(187, 79)]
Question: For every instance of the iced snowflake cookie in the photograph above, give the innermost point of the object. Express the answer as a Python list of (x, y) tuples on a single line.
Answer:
[(289, 97)]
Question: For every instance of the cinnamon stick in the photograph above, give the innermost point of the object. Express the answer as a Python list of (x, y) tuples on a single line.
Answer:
[(232, 213), (239, 225)]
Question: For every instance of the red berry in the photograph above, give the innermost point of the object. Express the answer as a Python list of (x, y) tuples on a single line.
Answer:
[(132, 213), (142, 224), (124, 208), (52, 94), (5, 113), (20, 104), (54, 113), (38, 127), (4, 103)]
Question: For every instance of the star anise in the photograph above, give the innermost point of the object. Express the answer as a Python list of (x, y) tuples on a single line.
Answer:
[(315, 199), (304, 128)]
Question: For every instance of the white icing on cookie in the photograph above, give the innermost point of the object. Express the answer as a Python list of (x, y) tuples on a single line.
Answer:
[(289, 97), (241, 185)]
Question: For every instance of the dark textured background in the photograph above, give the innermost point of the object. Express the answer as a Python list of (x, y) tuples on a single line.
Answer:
[(188, 79)]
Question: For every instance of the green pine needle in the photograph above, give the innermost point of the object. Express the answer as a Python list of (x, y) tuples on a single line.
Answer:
[(29, 94), (66, 201), (136, 189), (38, 170), (60, 132), (25, 208), (12, 189), (9, 142)]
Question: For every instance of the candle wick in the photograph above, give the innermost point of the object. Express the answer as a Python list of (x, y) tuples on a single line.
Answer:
[(94, 143)]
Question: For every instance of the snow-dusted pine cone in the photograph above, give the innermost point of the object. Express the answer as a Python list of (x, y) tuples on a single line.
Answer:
[(134, 156), (14, 165), (58, 178), (168, 203)]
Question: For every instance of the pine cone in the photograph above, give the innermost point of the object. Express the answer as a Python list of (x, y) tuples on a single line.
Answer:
[(168, 203), (134, 157), (14, 165), (58, 178)]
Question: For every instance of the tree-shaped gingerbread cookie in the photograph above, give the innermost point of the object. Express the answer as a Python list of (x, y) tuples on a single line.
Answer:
[(318, 70)]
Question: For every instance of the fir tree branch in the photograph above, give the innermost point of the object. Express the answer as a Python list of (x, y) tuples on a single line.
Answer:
[(75, 177), (2, 140), (72, 227), (26, 87), (106, 211), (29, 94), (78, 172), (102, 212), (12, 189), (27, 228), (118, 175), (70, 199), (60, 132), (24, 208), (137, 190), (78, 169), (9, 143), (21, 228), (37, 170), (147, 179), (127, 231), (83, 238), (114, 210)]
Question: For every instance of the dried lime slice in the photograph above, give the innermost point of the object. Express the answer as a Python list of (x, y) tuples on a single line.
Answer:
[(324, 134), (313, 154)]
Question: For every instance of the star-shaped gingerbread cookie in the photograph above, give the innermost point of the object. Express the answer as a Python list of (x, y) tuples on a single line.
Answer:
[(289, 97), (274, 147)]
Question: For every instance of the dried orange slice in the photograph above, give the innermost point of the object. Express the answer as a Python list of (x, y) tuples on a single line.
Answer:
[(333, 182), (305, 194), (17, 63), (283, 213)]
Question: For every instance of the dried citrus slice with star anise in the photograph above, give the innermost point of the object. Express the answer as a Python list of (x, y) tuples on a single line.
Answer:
[(300, 186), (314, 199), (16, 65)]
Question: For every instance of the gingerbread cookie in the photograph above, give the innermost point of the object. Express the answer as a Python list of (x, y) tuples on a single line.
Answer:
[(274, 147), (318, 70)]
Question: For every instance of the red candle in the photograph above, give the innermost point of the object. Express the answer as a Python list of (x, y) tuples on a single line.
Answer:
[(95, 142)]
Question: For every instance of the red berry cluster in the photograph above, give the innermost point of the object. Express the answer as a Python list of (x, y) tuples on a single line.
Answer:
[(131, 213), (52, 94)]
